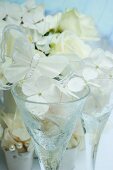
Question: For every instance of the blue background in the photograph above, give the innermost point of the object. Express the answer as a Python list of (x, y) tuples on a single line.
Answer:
[(100, 10)]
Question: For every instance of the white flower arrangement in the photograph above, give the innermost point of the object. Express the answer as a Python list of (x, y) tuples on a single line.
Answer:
[(48, 51)]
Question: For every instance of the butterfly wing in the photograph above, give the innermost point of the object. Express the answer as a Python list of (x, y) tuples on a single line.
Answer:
[(17, 66), (52, 66)]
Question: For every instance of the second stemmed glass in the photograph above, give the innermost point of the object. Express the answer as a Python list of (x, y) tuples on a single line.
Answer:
[(98, 108)]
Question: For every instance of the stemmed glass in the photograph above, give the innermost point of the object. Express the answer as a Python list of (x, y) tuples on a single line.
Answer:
[(52, 131), (94, 120)]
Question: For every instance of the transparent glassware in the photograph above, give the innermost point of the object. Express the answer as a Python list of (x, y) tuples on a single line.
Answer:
[(93, 125), (51, 132)]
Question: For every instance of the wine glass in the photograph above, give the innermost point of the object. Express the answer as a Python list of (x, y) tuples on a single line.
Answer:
[(96, 113), (52, 131)]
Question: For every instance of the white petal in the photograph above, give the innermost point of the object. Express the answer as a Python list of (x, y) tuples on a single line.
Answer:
[(53, 94), (2, 13), (102, 59), (57, 94), (76, 84), (36, 85), (106, 63), (90, 73), (52, 66), (12, 21), (16, 42), (53, 21), (37, 108), (67, 95), (48, 23), (29, 88), (13, 10), (38, 13), (96, 101), (109, 54), (43, 83), (2, 26), (14, 73), (23, 46), (97, 52), (33, 35), (34, 16), (82, 25), (29, 4), (69, 43), (3, 9)]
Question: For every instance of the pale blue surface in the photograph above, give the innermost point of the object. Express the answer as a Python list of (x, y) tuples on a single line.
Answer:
[(100, 10)]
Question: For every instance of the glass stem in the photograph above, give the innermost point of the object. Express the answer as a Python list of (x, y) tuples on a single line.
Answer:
[(48, 168), (91, 149), (49, 160)]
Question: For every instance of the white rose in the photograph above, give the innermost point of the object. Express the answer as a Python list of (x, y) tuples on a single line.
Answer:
[(69, 43), (83, 26)]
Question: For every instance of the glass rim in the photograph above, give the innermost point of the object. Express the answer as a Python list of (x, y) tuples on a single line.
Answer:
[(66, 102)]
